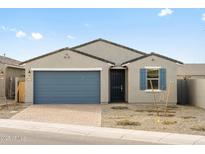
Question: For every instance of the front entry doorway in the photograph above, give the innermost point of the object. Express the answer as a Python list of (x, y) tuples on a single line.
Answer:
[(117, 85)]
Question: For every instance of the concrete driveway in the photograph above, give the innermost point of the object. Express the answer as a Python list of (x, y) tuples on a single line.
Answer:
[(70, 114)]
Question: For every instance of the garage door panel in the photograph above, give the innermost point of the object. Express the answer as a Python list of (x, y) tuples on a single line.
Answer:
[(66, 87)]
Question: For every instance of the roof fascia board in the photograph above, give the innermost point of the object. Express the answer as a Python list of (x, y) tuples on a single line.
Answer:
[(44, 55), (170, 59), (135, 59), (15, 66)]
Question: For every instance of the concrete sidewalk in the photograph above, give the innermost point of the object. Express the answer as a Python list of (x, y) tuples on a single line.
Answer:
[(112, 133)]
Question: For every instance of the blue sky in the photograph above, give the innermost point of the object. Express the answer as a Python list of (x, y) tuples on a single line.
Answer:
[(177, 33)]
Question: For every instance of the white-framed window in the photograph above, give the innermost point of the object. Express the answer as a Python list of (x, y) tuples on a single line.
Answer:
[(153, 76), (157, 75)]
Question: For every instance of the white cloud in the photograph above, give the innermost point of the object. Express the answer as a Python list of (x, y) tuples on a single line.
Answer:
[(20, 34), (203, 17), (36, 35), (70, 37), (165, 12)]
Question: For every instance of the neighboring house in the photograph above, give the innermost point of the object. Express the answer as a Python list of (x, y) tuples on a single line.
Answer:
[(9, 70), (191, 71), (99, 71), (191, 84)]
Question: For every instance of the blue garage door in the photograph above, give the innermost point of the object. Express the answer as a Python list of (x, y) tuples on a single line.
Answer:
[(66, 87)]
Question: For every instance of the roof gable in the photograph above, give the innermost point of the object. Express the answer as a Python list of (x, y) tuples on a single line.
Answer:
[(118, 55), (109, 50), (109, 42), (66, 48), (152, 54)]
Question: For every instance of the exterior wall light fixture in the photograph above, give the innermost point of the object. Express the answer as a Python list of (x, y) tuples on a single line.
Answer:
[(1, 74)]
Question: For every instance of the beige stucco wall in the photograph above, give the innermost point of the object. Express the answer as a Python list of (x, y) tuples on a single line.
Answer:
[(76, 60), (196, 88), (110, 52), (135, 95)]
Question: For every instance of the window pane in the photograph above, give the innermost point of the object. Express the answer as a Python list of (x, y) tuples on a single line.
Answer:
[(152, 73), (154, 83)]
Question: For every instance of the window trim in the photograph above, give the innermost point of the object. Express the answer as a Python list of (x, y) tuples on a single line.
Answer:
[(154, 68), (150, 90)]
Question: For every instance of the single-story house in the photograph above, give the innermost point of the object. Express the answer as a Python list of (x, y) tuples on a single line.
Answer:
[(99, 71), (9, 70), (191, 71)]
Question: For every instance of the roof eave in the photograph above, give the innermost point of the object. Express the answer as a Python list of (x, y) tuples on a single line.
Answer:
[(15, 66), (170, 59), (44, 55)]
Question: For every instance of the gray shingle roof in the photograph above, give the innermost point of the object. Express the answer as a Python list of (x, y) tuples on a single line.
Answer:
[(9, 61), (109, 42), (191, 69), (66, 48), (144, 55)]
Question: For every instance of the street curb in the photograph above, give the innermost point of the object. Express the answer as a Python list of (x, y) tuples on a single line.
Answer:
[(104, 132)]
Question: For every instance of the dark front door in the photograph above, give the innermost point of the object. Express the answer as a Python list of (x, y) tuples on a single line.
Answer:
[(117, 85)]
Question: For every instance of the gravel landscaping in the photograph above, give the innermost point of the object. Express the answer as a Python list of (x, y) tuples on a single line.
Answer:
[(178, 119), (11, 110)]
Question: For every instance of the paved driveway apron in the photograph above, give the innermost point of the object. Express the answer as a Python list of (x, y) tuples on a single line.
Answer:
[(70, 114)]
